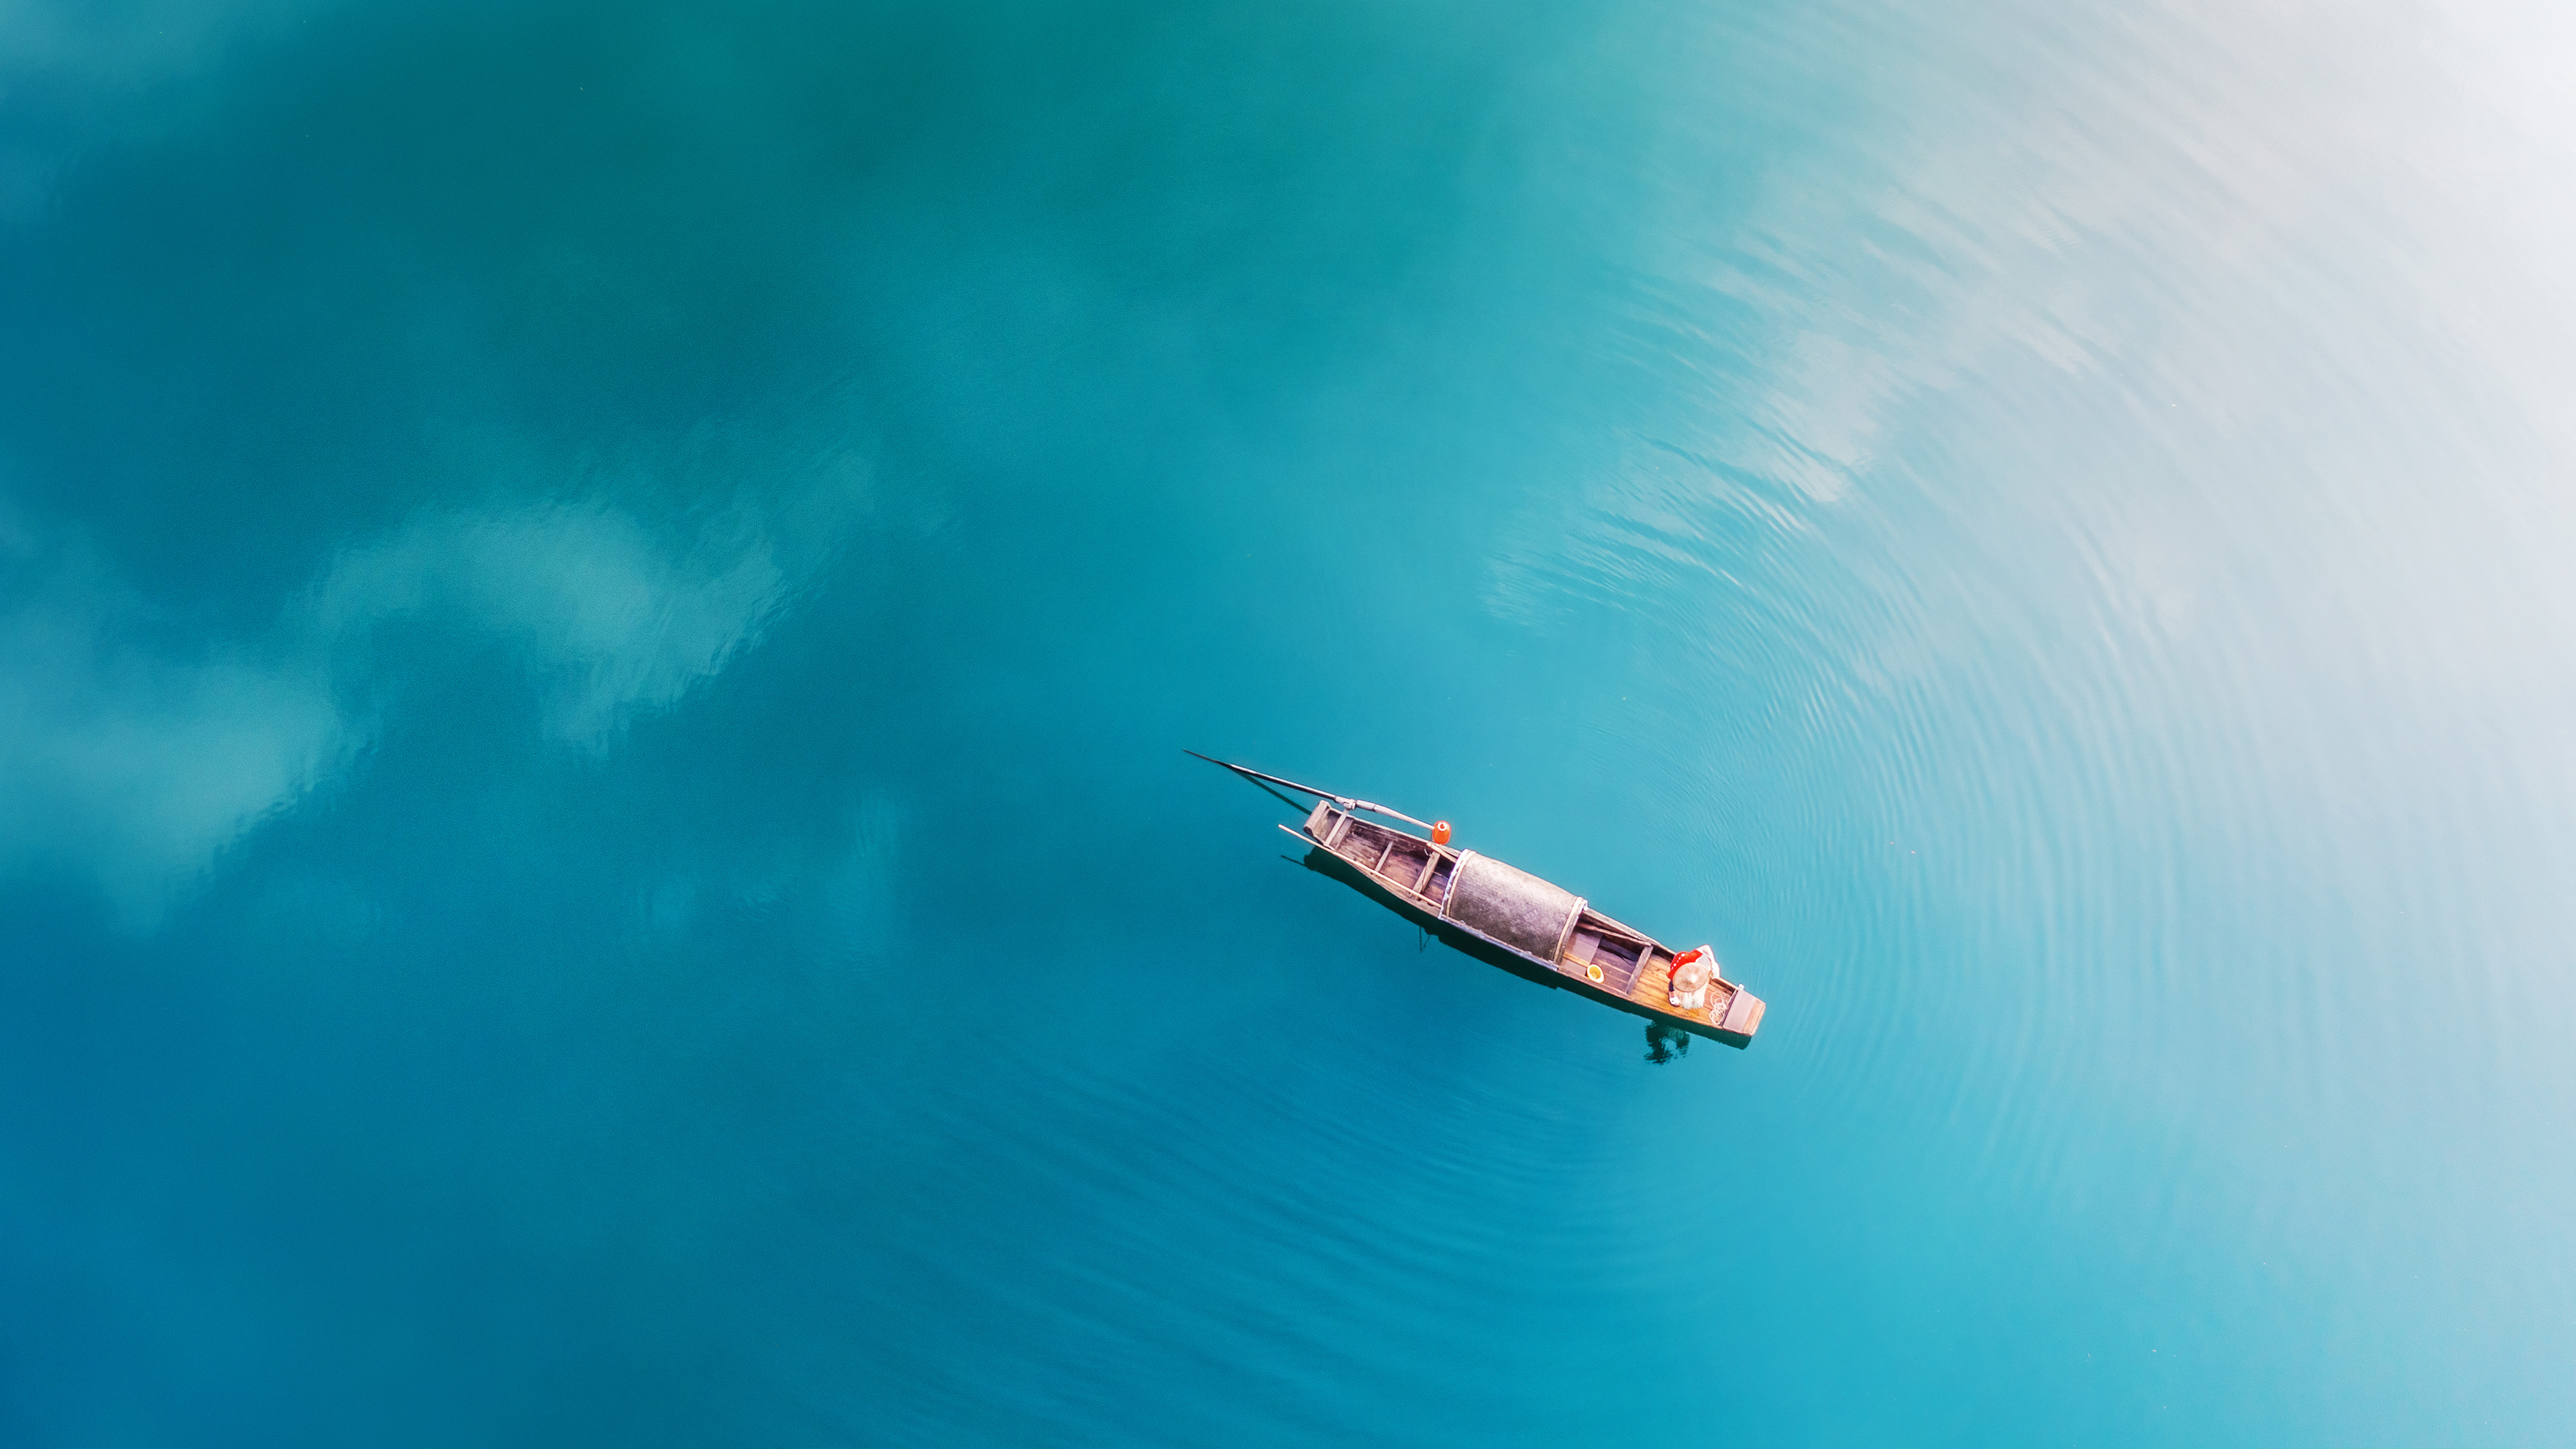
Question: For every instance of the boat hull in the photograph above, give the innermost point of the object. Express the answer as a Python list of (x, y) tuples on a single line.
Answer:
[(1325, 861)]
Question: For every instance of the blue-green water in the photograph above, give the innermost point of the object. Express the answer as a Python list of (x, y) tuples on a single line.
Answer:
[(599, 607)]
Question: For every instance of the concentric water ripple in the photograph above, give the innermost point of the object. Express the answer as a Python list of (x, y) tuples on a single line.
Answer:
[(598, 611)]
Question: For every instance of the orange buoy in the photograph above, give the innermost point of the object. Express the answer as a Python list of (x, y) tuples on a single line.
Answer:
[(1440, 832)]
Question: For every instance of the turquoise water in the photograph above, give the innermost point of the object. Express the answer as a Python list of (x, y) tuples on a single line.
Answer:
[(599, 607)]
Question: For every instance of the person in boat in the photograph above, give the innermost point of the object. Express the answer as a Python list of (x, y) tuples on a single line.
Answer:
[(1692, 971)]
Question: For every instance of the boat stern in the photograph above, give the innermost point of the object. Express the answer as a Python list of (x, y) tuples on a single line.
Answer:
[(1742, 1018)]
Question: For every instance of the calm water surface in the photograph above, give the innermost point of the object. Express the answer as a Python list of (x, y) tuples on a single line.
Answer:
[(599, 607)]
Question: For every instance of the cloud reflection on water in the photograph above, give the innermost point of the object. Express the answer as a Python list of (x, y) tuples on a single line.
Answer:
[(607, 622), (134, 762), (137, 760)]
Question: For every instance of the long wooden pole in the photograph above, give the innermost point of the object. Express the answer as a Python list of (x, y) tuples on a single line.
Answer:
[(1345, 801)]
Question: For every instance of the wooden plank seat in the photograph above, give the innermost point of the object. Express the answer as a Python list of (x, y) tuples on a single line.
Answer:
[(1618, 960)]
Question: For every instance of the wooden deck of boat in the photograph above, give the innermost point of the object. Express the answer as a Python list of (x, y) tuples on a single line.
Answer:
[(1415, 870), (1649, 984)]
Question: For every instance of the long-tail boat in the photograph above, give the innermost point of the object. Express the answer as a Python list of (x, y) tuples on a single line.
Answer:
[(1511, 918)]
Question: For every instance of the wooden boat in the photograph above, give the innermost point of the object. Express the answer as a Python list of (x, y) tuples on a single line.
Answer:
[(1508, 917)]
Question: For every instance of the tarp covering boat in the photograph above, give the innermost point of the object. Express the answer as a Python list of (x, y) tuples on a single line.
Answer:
[(1512, 906)]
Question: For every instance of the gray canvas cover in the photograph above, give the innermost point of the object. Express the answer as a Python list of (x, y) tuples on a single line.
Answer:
[(1514, 907)]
